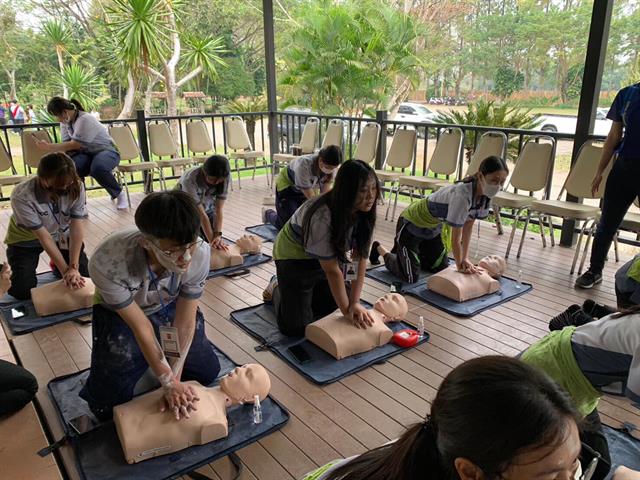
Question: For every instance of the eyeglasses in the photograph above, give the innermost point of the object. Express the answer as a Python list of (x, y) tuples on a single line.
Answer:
[(177, 252)]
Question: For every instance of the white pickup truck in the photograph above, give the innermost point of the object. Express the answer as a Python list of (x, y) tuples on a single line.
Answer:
[(567, 123)]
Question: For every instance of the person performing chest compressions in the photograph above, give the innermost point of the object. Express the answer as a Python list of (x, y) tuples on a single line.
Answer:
[(49, 211), (300, 181), (209, 187), (147, 328), (321, 253), (450, 212)]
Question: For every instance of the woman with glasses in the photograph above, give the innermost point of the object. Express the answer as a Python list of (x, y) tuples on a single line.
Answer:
[(49, 212), (147, 328), (209, 186)]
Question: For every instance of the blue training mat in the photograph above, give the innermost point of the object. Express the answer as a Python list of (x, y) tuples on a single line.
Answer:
[(43, 278), (265, 231), (623, 448), (250, 260), (99, 454), (509, 289), (30, 321), (260, 322)]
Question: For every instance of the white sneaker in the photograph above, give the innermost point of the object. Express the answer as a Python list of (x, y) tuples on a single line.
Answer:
[(121, 201)]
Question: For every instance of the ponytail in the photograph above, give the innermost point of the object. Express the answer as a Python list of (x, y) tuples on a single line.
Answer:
[(57, 105)]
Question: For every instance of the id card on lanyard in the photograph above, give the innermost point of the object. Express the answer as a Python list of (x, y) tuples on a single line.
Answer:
[(169, 339), (63, 230), (350, 269)]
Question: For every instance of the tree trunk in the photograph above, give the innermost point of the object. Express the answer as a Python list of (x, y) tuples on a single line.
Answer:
[(147, 95), (129, 98), (13, 93), (400, 93), (65, 90), (250, 122)]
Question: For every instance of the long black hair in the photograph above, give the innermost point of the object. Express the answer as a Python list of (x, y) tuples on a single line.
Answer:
[(341, 200), (217, 166), (487, 410), (59, 104)]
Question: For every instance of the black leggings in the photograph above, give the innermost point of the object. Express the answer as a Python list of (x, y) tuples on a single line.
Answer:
[(302, 296), (410, 254), (17, 387), (24, 262)]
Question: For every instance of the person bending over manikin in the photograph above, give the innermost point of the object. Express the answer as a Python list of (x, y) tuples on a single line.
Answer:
[(147, 430), (55, 297), (340, 338), (461, 287), (232, 256)]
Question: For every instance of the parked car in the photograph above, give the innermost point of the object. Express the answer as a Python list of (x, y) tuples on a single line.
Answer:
[(567, 123), (413, 112)]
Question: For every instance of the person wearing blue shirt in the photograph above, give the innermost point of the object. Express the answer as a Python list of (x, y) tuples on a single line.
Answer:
[(622, 186)]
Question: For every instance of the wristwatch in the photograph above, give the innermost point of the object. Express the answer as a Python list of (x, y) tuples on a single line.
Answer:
[(217, 234)]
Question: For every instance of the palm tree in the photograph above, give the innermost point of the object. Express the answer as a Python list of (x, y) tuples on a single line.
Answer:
[(82, 83), (58, 33)]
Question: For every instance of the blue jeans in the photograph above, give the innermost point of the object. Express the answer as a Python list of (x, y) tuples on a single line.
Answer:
[(287, 202), (100, 166), (622, 188), (117, 363)]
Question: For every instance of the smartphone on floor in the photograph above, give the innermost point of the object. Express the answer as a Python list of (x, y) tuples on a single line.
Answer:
[(300, 354)]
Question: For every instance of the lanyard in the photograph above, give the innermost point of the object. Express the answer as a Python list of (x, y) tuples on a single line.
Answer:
[(51, 209), (154, 280)]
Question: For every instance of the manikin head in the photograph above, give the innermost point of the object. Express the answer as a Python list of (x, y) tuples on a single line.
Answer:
[(393, 306), (495, 265), (242, 383), (249, 244)]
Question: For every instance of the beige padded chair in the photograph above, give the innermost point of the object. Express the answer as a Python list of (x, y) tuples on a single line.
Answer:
[(530, 174), (162, 144), (128, 148), (198, 140), (444, 161), (368, 143), (7, 165), (238, 141), (30, 153), (334, 134), (307, 143), (577, 184), (400, 156)]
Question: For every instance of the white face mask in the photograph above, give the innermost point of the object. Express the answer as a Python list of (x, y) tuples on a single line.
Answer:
[(490, 189), (167, 262), (327, 170)]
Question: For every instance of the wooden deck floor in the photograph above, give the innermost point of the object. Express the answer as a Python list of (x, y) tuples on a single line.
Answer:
[(365, 409)]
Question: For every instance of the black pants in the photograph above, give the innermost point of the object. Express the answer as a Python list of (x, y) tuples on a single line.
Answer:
[(17, 387), (287, 202), (623, 187), (302, 296), (410, 254), (24, 262), (593, 436)]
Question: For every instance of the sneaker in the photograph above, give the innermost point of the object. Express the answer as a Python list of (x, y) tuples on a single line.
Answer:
[(588, 279), (597, 310), (265, 210), (374, 255), (121, 201), (564, 319), (267, 294)]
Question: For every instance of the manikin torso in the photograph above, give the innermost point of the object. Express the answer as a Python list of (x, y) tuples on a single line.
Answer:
[(461, 287), (247, 244), (146, 432), (55, 297), (340, 338)]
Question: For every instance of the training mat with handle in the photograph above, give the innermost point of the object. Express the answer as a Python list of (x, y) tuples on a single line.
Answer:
[(623, 448), (22, 317), (509, 289), (260, 322), (99, 454), (250, 260), (265, 231)]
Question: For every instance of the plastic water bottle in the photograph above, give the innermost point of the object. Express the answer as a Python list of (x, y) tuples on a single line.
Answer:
[(421, 326), (257, 410), (519, 279)]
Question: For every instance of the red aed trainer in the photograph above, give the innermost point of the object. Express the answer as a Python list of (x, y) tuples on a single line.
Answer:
[(405, 338)]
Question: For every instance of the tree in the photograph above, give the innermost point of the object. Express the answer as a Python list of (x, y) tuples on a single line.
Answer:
[(82, 83), (58, 33), (506, 81)]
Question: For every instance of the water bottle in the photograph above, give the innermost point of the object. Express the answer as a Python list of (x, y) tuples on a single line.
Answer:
[(519, 279), (257, 410), (421, 326)]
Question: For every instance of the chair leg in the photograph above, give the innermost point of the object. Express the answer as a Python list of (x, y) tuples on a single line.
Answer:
[(550, 223), (542, 235), (126, 189), (255, 165), (238, 172), (516, 217), (575, 255), (395, 204), (615, 246), (498, 220), (524, 233), (386, 215), (266, 171), (590, 232)]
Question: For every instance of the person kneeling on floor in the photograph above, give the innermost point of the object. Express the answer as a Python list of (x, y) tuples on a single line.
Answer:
[(147, 327)]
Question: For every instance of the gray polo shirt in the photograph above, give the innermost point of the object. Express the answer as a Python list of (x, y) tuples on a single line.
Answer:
[(33, 208), (194, 183), (120, 271), (88, 131)]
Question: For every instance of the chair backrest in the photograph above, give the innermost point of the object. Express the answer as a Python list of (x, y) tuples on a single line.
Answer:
[(334, 134), (368, 143), (124, 141), (533, 166), (579, 180), (161, 141), (444, 160), (490, 143), (198, 139), (237, 136), (309, 136), (30, 152), (400, 153), (5, 159)]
